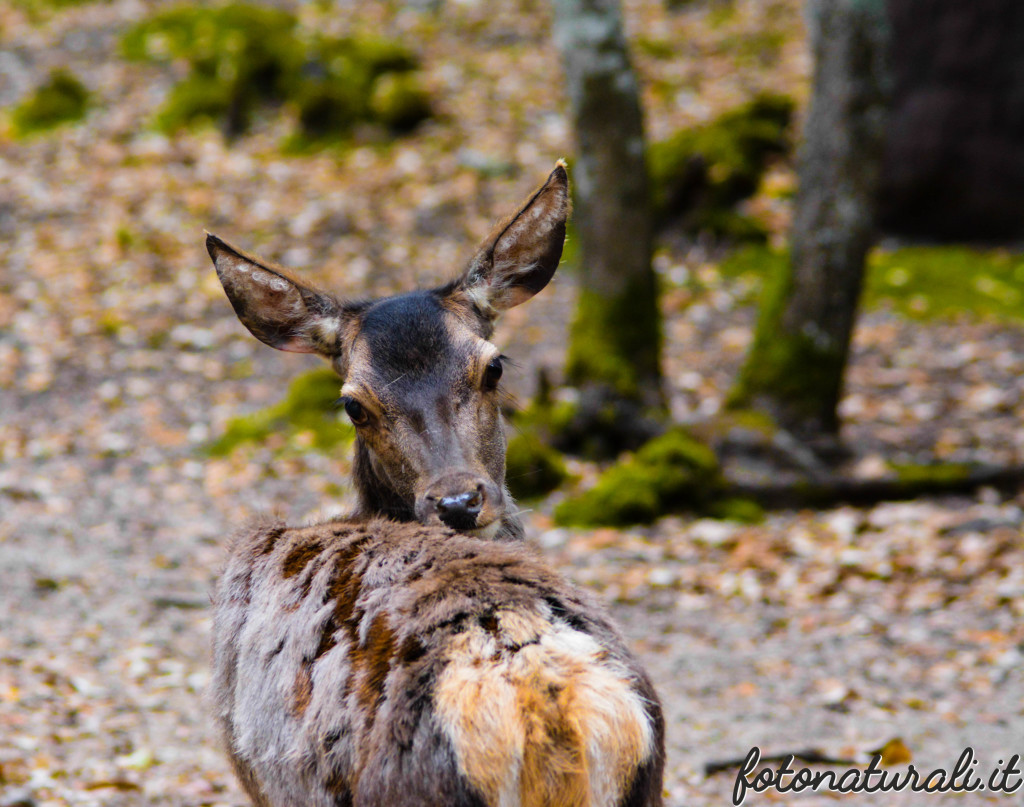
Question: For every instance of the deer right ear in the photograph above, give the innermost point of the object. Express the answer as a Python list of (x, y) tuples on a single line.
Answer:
[(277, 309), (521, 255)]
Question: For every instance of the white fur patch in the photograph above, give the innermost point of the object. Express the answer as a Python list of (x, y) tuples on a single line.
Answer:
[(480, 296), (486, 533)]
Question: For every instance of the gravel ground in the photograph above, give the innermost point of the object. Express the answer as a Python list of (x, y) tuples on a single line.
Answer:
[(836, 630)]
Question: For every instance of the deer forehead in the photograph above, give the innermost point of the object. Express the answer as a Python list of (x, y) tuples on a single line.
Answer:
[(413, 341)]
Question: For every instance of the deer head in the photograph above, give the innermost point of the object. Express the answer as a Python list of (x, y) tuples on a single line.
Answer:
[(421, 380)]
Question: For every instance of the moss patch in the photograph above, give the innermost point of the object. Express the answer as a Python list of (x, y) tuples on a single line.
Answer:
[(614, 340), (668, 473), (746, 511), (308, 410), (936, 282), (699, 175), (942, 473), (398, 101), (62, 99), (533, 468), (37, 9), (245, 57), (918, 282), (792, 368)]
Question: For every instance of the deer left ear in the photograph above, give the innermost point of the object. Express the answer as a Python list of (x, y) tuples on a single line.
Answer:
[(519, 258)]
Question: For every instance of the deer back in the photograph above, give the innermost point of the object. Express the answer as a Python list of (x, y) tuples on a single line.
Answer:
[(398, 664)]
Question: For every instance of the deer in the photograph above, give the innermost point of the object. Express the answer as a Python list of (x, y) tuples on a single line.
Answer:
[(418, 652)]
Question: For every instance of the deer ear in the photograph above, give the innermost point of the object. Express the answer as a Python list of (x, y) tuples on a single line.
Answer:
[(277, 310), (519, 258)]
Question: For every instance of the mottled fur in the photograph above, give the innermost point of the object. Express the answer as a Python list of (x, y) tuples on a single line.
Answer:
[(381, 663), (385, 660)]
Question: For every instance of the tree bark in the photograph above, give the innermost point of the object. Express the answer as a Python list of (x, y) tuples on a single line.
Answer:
[(615, 339), (794, 370), (954, 166)]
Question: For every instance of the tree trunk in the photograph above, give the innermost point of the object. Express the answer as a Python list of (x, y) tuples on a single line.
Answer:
[(615, 340), (794, 370), (954, 166)]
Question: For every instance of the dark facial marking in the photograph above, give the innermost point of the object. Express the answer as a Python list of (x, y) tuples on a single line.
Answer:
[(406, 334)]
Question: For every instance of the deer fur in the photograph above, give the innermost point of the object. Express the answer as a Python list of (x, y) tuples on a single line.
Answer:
[(386, 658)]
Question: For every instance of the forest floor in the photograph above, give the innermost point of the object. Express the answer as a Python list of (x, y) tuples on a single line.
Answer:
[(837, 630)]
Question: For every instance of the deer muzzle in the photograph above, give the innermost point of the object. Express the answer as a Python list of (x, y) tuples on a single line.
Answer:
[(463, 501)]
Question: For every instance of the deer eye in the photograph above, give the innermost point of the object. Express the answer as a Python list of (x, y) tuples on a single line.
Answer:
[(492, 373), (355, 411)]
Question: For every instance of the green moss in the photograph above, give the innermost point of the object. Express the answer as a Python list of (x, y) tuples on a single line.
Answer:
[(721, 14), (748, 419), (622, 496), (244, 58), (746, 511), (798, 375), (918, 282), (533, 468), (571, 247), (935, 282), (62, 99), (754, 48), (307, 408), (544, 418), (655, 48), (753, 262), (110, 323), (615, 339), (729, 225), (378, 54), (125, 237), (666, 474), (699, 175), (677, 449), (37, 9), (936, 473), (399, 101), (791, 367), (943, 282), (199, 99)]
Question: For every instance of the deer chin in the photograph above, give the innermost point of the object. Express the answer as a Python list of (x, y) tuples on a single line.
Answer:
[(486, 533)]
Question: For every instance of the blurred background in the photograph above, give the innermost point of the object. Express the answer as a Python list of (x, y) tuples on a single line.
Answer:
[(770, 407)]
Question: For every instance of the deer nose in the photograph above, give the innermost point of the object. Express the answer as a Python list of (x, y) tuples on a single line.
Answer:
[(459, 511), (465, 501)]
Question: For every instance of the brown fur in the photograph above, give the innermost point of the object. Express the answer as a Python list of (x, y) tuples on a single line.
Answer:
[(554, 759), (391, 661), (302, 690), (456, 666)]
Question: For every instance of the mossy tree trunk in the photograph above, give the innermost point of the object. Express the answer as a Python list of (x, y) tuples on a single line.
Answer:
[(795, 368), (615, 340)]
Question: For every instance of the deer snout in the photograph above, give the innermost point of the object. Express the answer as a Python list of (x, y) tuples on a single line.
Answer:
[(460, 511), (462, 501)]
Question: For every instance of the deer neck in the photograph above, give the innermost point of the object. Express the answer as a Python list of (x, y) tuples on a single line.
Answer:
[(376, 495)]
